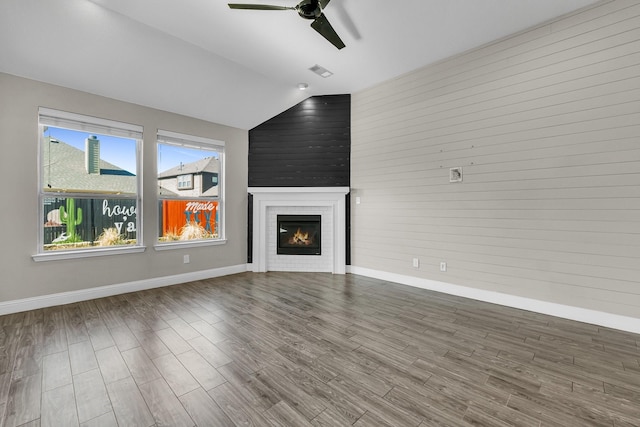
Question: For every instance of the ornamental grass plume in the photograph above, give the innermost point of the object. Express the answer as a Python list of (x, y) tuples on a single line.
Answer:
[(170, 236), (193, 231), (110, 237)]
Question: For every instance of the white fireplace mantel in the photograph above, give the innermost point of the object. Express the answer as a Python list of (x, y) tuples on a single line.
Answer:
[(330, 199)]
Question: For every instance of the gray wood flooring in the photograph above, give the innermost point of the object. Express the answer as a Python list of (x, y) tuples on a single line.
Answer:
[(291, 349)]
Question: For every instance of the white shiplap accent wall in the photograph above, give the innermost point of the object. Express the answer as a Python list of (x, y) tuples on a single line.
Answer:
[(546, 126)]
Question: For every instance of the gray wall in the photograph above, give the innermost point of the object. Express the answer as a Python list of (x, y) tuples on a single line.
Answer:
[(546, 125), (20, 276)]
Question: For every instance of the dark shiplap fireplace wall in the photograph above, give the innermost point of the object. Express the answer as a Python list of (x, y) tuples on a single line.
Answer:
[(308, 145)]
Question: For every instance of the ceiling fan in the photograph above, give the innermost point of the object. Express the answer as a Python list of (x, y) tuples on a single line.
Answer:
[(308, 9)]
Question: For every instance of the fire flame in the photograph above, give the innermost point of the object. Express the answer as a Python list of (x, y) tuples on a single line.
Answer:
[(301, 239)]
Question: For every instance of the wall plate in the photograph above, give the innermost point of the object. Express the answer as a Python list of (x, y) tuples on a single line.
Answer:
[(455, 174)]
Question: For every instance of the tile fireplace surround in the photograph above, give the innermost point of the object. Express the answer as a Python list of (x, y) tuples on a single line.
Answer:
[(329, 202)]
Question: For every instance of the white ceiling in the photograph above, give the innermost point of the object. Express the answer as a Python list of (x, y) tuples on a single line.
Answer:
[(241, 67)]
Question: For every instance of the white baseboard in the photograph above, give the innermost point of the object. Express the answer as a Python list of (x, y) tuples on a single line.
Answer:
[(33, 303), (623, 323)]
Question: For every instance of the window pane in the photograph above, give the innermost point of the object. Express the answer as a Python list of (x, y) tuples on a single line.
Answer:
[(72, 223), (80, 162), (188, 220), (188, 172)]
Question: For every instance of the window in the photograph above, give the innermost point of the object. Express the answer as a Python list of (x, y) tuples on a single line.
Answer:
[(185, 182), (89, 184), (190, 188)]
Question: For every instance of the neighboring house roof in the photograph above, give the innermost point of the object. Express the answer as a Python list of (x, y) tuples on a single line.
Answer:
[(162, 191), (208, 164), (64, 168)]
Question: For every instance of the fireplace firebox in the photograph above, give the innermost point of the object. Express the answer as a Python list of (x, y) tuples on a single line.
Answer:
[(299, 235)]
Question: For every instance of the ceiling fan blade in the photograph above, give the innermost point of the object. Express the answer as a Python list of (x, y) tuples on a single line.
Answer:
[(324, 3), (258, 6), (322, 25)]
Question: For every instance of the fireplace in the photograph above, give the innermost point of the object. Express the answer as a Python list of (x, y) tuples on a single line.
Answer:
[(299, 235), (329, 203)]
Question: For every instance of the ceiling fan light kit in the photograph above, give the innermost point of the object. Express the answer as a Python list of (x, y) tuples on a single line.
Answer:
[(307, 9)]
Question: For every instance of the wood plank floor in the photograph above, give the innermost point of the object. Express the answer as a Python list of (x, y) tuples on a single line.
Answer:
[(291, 349)]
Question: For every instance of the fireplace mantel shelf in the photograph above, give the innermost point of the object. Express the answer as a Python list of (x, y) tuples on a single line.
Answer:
[(276, 190)]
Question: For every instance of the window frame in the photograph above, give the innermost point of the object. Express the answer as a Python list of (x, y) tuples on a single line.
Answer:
[(165, 137), (48, 117)]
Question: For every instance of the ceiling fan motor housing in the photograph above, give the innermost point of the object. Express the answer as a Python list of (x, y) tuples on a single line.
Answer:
[(309, 9)]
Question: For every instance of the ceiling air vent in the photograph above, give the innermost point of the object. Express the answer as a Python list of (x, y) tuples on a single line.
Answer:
[(321, 71)]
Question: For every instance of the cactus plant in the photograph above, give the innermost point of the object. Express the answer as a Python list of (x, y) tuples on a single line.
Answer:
[(71, 217)]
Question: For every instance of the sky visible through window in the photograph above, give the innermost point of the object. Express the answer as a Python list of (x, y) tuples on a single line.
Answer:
[(170, 156), (122, 151)]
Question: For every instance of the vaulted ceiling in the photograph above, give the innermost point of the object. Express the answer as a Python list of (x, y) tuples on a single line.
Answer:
[(241, 67)]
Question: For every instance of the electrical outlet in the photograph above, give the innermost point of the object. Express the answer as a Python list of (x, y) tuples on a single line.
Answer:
[(443, 266), (186, 259), (416, 263)]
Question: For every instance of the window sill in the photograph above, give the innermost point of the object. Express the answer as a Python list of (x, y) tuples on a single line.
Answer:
[(194, 244), (79, 253)]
